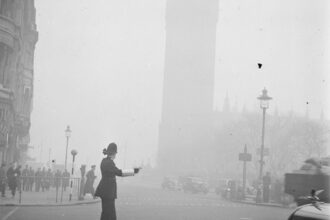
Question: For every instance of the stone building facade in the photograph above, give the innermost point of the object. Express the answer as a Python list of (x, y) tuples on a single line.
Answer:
[(18, 37)]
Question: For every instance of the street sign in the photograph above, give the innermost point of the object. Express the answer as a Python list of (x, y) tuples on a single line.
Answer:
[(245, 156)]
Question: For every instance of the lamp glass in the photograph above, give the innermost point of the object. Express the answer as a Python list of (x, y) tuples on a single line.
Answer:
[(264, 103), (68, 132)]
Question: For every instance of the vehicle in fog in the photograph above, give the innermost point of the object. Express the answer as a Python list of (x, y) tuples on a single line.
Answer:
[(193, 185), (170, 183), (313, 174)]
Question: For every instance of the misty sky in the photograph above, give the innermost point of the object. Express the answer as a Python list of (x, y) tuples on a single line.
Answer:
[(99, 68)]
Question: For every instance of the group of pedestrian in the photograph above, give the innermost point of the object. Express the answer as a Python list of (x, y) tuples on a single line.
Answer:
[(30, 180), (43, 180)]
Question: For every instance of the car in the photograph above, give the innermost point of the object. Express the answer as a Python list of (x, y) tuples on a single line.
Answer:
[(193, 185), (169, 183), (312, 211)]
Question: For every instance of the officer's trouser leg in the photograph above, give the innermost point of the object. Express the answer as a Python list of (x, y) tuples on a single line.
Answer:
[(108, 209)]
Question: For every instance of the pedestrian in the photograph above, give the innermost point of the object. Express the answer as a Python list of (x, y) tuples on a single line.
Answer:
[(25, 179), (107, 188), (57, 179), (3, 179), (49, 179), (65, 179), (31, 179), (38, 180), (43, 181), (18, 179), (12, 181), (90, 177), (266, 182)]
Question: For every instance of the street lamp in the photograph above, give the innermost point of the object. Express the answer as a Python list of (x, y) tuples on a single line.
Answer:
[(73, 153), (67, 135), (264, 104)]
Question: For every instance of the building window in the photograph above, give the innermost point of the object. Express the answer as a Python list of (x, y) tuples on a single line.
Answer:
[(3, 63), (6, 8)]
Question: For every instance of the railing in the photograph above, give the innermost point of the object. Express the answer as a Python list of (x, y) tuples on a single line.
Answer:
[(35, 189)]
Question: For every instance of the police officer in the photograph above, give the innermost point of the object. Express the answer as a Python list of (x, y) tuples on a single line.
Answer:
[(107, 188)]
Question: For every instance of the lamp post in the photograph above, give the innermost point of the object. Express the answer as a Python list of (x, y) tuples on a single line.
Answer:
[(73, 153), (264, 104), (67, 135)]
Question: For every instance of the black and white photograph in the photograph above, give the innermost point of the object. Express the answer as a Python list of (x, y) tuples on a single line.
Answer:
[(164, 109)]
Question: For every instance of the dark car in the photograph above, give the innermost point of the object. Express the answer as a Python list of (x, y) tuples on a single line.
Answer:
[(314, 211)]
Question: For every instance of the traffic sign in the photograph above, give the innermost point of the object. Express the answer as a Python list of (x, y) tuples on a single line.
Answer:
[(245, 156)]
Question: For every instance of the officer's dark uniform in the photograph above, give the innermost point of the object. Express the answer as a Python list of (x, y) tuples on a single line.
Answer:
[(107, 188)]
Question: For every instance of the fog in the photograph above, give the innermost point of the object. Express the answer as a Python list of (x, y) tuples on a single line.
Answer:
[(99, 67)]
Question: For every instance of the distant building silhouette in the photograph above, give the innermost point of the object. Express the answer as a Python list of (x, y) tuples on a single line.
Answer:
[(188, 88)]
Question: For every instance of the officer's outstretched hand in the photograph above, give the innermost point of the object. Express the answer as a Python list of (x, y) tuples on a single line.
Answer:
[(137, 169)]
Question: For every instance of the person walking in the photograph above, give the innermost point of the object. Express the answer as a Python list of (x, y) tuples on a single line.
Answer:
[(12, 181), (266, 187), (38, 180), (57, 179), (3, 180), (90, 177), (18, 179), (107, 188), (43, 179), (25, 174)]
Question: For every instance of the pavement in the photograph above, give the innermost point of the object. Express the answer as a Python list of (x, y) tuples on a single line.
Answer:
[(47, 198), (53, 198)]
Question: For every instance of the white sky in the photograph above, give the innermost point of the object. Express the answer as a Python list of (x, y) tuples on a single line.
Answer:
[(99, 68)]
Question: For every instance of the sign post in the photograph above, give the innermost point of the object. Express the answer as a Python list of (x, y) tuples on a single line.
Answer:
[(245, 157)]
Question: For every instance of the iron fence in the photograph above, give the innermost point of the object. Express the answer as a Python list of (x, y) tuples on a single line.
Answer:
[(36, 189)]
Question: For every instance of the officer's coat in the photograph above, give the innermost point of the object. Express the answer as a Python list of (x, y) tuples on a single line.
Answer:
[(107, 187)]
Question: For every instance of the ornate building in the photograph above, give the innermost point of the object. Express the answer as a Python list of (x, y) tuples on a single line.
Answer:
[(187, 112), (18, 37)]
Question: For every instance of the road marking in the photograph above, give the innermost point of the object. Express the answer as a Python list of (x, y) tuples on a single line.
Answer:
[(10, 213)]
